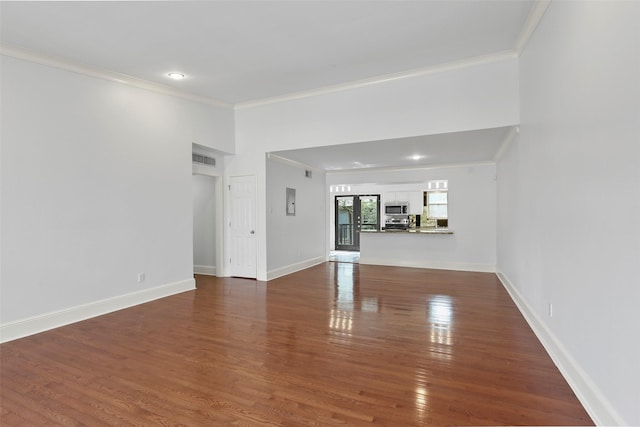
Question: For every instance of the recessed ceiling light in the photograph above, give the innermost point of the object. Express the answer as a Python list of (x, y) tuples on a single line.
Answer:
[(176, 76), (416, 157)]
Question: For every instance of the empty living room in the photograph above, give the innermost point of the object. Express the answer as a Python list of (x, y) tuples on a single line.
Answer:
[(175, 177)]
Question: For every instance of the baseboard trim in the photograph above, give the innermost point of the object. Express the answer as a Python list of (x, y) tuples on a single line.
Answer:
[(437, 265), (207, 270), (594, 401), (34, 325), (292, 268)]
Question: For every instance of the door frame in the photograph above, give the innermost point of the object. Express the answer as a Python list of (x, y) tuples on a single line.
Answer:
[(219, 212)]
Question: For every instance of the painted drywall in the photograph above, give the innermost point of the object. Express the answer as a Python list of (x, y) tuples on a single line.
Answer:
[(96, 187), (569, 199), (299, 239), (204, 223), (472, 215), (476, 97)]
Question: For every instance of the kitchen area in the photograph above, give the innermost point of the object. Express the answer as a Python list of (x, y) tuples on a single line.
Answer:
[(444, 220), (416, 211), (410, 211)]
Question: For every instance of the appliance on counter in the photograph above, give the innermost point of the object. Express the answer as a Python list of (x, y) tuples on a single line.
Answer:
[(396, 222), (396, 216), (396, 208)]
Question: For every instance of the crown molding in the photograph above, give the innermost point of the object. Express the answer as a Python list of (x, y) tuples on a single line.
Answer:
[(409, 168), (293, 163), (508, 139), (536, 13), (418, 72), (534, 17), (87, 70), (532, 21)]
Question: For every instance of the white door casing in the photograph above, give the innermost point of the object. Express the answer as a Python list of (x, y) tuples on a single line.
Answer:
[(242, 227)]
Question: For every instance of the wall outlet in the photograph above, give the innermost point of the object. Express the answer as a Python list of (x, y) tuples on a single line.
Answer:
[(140, 277), (550, 310)]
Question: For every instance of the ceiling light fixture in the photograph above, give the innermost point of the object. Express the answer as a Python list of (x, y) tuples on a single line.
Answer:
[(416, 157), (176, 76)]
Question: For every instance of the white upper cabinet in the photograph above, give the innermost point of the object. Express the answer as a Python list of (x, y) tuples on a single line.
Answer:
[(416, 202)]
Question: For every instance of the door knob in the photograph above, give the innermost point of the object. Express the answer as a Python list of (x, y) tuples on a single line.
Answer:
[(252, 232)]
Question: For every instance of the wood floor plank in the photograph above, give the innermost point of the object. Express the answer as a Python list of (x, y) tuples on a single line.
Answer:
[(336, 344)]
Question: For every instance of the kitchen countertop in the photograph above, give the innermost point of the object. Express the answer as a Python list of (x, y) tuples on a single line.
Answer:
[(412, 231)]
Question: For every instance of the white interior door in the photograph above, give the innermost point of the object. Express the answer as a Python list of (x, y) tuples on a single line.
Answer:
[(242, 197)]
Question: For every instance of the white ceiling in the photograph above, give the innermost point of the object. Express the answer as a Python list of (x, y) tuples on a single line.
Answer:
[(240, 51), (450, 148), (236, 51)]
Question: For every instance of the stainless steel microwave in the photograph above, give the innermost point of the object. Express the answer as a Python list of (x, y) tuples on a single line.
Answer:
[(396, 208)]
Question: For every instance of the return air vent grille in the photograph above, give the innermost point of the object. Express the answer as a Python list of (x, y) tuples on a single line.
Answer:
[(199, 158)]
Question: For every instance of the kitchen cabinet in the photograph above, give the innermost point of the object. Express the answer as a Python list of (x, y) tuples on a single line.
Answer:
[(396, 196), (416, 202), (388, 197), (402, 196)]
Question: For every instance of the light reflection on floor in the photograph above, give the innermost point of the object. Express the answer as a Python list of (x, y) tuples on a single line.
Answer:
[(344, 256), (349, 304), (341, 319), (440, 319)]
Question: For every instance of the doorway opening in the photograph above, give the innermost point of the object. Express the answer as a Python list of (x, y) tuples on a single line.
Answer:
[(205, 225), (207, 197), (353, 214)]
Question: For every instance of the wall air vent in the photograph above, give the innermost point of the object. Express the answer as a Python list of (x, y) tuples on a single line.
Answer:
[(205, 160), (307, 174)]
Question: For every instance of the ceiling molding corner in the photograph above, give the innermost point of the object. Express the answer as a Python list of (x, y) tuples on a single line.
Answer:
[(536, 13), (506, 142), (87, 70)]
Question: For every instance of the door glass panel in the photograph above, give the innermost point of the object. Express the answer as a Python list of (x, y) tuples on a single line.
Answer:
[(369, 212), (345, 221)]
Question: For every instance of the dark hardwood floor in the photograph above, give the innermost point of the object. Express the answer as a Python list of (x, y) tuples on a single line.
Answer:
[(334, 344)]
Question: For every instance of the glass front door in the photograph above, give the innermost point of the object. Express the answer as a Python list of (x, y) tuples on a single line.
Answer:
[(355, 213)]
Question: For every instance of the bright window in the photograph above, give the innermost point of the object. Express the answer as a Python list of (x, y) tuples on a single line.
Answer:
[(436, 204)]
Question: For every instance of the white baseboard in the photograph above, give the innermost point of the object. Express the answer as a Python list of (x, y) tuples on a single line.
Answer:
[(292, 268), (438, 265), (208, 270), (594, 401), (33, 325)]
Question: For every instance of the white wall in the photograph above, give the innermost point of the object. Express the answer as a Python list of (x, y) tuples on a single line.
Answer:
[(472, 215), (294, 242), (569, 200), (477, 97), (96, 187), (204, 224)]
